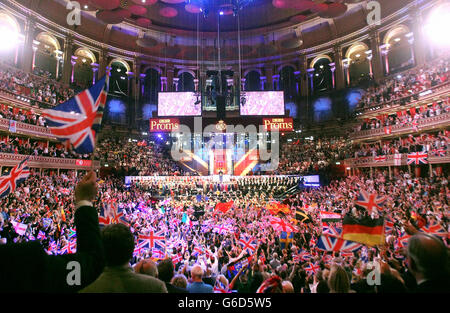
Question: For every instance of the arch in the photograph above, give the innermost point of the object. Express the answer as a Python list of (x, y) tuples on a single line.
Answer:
[(356, 47), (10, 20), (319, 57), (121, 61), (396, 31), (185, 70), (152, 67), (251, 70), (286, 65), (86, 53), (49, 39)]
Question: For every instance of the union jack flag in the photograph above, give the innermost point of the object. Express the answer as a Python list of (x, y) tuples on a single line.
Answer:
[(69, 248), (140, 248), (379, 158), (388, 225), (434, 229), (78, 119), (13, 178), (330, 230), (220, 288), (248, 244), (41, 235), (312, 268), (158, 253), (177, 258), (401, 241), (279, 224), (418, 158), (302, 256), (155, 239), (371, 201), (329, 243), (222, 229)]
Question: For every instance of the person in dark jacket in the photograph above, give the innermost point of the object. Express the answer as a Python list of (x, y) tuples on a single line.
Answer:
[(428, 262), (26, 267), (165, 273)]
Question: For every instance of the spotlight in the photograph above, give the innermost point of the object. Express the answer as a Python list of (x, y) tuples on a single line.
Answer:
[(438, 25), (221, 12), (9, 38)]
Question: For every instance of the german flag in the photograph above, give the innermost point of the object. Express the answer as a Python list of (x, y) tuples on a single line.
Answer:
[(366, 230)]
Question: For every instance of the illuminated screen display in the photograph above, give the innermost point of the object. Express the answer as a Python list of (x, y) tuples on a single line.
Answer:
[(178, 104), (263, 103)]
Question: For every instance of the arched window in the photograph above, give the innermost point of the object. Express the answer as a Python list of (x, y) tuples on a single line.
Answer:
[(118, 81), (83, 75), (399, 49), (48, 55), (359, 68), (186, 82), (288, 82), (323, 80), (253, 81), (152, 85)]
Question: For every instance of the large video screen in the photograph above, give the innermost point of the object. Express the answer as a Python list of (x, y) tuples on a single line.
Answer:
[(263, 103), (178, 104)]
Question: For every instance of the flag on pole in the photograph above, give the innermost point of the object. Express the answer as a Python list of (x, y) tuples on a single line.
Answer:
[(79, 118)]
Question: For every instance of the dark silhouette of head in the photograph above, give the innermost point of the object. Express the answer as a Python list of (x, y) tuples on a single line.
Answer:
[(165, 270), (118, 244), (427, 257)]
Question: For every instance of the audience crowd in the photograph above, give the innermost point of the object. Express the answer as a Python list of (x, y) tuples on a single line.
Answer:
[(402, 88), (199, 248)]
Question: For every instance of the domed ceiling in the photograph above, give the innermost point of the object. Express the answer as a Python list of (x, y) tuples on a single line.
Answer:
[(182, 14)]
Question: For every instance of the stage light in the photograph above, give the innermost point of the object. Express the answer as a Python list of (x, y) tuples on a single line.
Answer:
[(221, 12), (9, 38), (437, 26)]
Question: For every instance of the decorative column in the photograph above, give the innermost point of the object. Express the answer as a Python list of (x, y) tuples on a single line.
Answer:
[(410, 37), (333, 69), (276, 82), (303, 65), (27, 53), (95, 67), (243, 84), (175, 83), (418, 35), (346, 63), (297, 81), (35, 47), (67, 69), (170, 80), (310, 72), (377, 63), (340, 78), (262, 81), (73, 62), (370, 57), (196, 84), (163, 83), (103, 63), (58, 56), (141, 80), (385, 53), (269, 73)]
